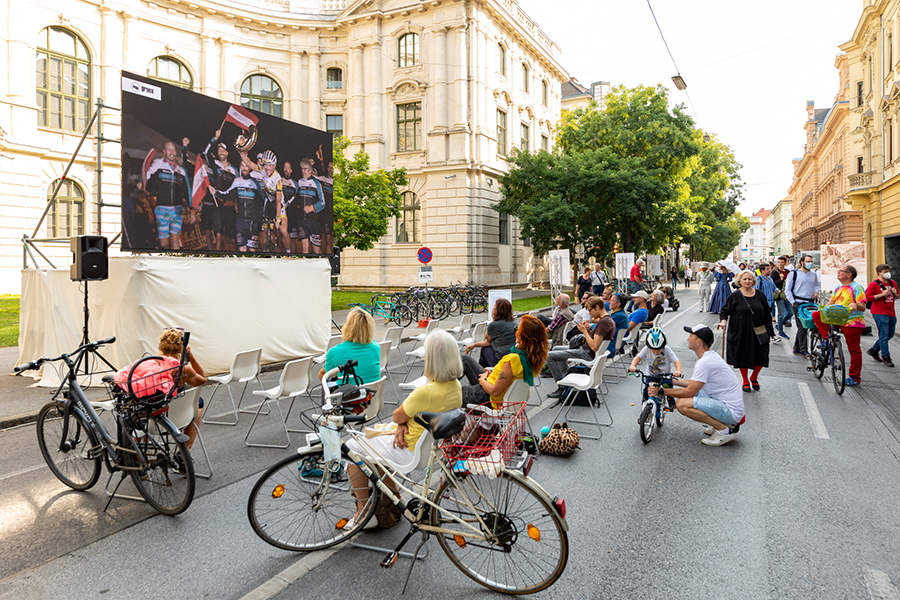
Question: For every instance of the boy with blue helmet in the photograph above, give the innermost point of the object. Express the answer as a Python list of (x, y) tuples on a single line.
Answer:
[(661, 360)]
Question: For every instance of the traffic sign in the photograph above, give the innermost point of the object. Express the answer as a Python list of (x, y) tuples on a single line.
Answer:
[(424, 255), (426, 275)]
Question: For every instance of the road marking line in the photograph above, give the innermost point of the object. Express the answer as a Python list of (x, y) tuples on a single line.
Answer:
[(21, 472), (281, 581), (787, 346), (880, 586), (812, 411)]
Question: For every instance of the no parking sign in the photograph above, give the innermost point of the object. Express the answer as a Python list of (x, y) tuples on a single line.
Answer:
[(424, 255)]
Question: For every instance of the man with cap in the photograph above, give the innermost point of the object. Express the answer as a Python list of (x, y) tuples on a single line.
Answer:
[(713, 394), (638, 316)]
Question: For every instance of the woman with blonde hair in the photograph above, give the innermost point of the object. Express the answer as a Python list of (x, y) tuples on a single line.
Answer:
[(745, 313), (441, 393), (525, 359), (357, 334)]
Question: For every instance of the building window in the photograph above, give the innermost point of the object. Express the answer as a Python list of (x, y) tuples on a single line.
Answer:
[(334, 78), (171, 71), (407, 222), (504, 229), (501, 132), (545, 93), (526, 75), (526, 242), (859, 93), (408, 50), (63, 80), (66, 216), (890, 45), (501, 59), (334, 124), (859, 164), (890, 137), (545, 143), (409, 126), (525, 138), (260, 92)]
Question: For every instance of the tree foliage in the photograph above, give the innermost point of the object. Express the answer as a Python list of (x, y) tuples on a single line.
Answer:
[(636, 173), (363, 200)]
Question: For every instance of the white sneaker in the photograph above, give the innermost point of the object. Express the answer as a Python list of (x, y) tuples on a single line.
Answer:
[(372, 524), (718, 439), (708, 429)]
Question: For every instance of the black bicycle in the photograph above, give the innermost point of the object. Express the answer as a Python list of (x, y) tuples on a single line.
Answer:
[(146, 445)]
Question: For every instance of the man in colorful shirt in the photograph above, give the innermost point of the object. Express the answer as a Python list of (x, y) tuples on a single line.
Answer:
[(853, 296)]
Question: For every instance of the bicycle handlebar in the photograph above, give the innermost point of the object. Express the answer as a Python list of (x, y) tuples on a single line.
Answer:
[(37, 363)]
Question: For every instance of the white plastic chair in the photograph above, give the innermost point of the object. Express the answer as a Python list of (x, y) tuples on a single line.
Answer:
[(578, 382), (409, 386), (519, 391), (568, 327), (332, 342), (244, 368), (465, 324), (394, 335), (293, 382), (616, 360), (184, 410), (477, 334), (383, 360), (377, 401), (432, 325)]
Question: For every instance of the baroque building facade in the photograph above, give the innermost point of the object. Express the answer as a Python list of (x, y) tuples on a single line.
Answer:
[(874, 83), (820, 185), (444, 88)]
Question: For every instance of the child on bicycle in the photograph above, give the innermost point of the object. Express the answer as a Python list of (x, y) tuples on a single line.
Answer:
[(661, 360)]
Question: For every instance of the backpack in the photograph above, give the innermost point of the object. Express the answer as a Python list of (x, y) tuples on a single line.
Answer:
[(883, 287)]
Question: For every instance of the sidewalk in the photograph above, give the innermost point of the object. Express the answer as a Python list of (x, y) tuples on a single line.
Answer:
[(20, 401)]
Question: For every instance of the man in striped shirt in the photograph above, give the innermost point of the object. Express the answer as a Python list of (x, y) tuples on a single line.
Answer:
[(765, 284)]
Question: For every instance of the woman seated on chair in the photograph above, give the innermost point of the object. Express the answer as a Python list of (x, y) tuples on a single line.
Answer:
[(500, 336), (357, 334), (657, 305), (525, 359), (442, 393)]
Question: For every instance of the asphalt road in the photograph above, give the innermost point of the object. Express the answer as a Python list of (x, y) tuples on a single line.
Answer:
[(801, 505)]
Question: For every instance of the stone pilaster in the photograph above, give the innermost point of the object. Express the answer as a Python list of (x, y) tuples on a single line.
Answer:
[(357, 95), (315, 93)]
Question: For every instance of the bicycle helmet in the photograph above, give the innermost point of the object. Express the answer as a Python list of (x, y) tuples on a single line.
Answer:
[(268, 158), (656, 338)]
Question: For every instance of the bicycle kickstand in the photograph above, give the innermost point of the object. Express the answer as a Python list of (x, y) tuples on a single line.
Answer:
[(413, 562), (113, 495)]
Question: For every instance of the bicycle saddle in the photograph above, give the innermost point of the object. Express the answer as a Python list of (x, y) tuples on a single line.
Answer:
[(109, 379), (442, 425)]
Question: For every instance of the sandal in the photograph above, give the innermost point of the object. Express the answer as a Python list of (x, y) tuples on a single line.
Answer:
[(755, 384), (746, 388)]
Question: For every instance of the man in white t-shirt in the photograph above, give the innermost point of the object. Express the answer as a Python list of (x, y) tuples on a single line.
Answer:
[(713, 394)]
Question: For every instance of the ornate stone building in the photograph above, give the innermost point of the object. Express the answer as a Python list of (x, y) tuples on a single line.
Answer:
[(444, 88), (819, 189), (874, 104)]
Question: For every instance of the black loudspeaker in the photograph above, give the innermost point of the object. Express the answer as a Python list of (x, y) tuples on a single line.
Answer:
[(336, 261), (90, 260)]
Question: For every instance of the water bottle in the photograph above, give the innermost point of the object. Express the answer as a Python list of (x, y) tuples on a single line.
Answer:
[(545, 431)]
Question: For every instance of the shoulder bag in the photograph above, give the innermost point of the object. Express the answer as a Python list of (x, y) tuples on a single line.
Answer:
[(561, 441), (762, 334)]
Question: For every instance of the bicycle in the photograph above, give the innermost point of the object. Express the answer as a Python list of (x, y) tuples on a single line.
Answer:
[(654, 408), (146, 445), (488, 527), (832, 355)]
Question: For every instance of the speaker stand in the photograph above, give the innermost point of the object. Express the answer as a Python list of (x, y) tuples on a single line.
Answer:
[(85, 339)]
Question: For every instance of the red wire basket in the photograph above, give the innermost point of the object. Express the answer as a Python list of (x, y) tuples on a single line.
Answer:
[(489, 439)]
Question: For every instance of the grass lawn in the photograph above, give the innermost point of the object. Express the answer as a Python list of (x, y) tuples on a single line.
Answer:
[(341, 300), (9, 320), (527, 304)]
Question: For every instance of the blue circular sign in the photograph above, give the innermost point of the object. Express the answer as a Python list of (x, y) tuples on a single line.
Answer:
[(424, 255)]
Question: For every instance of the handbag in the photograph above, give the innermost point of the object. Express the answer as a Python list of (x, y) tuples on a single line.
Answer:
[(762, 334), (562, 440)]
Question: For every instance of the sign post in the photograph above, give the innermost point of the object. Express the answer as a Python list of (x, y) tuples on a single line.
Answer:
[(426, 275)]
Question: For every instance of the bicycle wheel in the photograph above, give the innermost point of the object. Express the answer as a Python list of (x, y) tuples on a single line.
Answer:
[(296, 505), (527, 546), (660, 413), (404, 316), (838, 368), (815, 354), (166, 479), (645, 421), (68, 458)]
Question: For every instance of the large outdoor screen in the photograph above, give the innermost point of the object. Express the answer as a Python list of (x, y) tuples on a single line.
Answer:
[(202, 175)]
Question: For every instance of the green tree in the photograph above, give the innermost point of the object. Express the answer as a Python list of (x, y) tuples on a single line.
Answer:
[(363, 200)]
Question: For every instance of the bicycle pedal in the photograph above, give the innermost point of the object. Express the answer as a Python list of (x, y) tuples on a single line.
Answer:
[(390, 559)]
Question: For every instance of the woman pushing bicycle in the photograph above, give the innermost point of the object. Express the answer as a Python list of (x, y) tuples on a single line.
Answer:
[(851, 295)]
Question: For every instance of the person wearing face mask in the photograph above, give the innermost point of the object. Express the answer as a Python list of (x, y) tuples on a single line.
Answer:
[(882, 293), (801, 286)]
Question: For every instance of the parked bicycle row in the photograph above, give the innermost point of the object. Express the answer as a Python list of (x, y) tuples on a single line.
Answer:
[(416, 304)]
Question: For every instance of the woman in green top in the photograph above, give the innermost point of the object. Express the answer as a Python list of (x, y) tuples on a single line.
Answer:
[(525, 359), (357, 345)]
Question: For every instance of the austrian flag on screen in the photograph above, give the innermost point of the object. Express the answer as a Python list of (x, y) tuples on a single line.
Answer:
[(241, 116)]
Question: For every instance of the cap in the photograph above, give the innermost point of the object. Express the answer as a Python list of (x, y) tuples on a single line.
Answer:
[(222, 145), (641, 294), (703, 332)]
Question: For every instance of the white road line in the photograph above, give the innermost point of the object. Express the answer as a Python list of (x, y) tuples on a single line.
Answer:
[(21, 472), (880, 586), (281, 581), (787, 346), (812, 411)]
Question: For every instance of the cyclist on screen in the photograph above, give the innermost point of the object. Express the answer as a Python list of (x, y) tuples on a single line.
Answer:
[(246, 194)]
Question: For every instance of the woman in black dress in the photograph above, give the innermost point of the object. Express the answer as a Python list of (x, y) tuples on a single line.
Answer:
[(584, 283), (743, 311)]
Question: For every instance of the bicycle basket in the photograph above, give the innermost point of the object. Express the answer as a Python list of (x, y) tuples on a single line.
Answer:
[(835, 314), (150, 381), (804, 314), (488, 440)]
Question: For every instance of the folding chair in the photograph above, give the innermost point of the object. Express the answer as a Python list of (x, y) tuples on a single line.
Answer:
[(184, 410), (244, 368), (293, 382), (465, 324), (383, 361), (578, 382)]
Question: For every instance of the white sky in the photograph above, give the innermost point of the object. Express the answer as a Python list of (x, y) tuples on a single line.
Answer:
[(750, 66)]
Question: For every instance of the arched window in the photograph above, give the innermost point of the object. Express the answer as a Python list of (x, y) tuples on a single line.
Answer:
[(501, 59), (407, 222), (334, 78), (408, 50), (63, 80), (170, 70), (66, 216), (260, 92), (545, 92), (526, 75)]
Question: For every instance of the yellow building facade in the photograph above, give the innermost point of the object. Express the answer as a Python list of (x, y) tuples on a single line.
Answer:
[(873, 56), (819, 190)]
